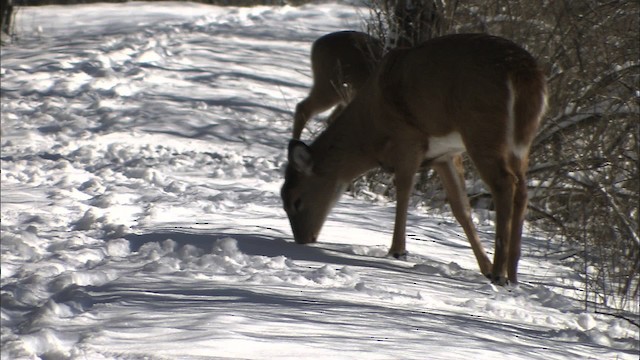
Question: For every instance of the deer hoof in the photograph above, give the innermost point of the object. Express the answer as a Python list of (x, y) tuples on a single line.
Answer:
[(398, 255), (498, 280)]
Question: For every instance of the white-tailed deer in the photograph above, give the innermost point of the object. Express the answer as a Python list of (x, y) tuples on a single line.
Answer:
[(468, 92), (341, 62)]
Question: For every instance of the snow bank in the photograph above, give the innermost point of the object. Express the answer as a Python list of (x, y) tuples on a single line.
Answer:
[(141, 161)]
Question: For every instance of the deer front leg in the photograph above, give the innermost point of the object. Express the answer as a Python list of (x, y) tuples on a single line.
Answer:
[(451, 172), (404, 184)]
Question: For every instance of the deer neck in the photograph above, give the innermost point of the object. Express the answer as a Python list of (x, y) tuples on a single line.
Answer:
[(347, 148)]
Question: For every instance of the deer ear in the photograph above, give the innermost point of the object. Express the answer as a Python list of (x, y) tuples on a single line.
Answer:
[(300, 157)]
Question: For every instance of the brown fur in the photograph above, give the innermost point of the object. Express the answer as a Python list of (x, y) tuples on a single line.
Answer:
[(341, 62), (461, 84)]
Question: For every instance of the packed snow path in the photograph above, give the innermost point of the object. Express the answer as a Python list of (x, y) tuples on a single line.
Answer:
[(142, 155)]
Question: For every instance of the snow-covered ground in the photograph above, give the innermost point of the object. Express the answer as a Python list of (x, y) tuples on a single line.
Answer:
[(142, 154)]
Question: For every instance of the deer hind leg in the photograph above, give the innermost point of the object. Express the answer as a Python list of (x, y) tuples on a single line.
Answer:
[(321, 97), (519, 209), (336, 112), (451, 173), (497, 174)]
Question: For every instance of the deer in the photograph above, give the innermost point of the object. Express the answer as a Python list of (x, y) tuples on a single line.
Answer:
[(426, 106), (341, 62)]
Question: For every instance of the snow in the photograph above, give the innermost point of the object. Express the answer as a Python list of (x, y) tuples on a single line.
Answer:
[(142, 157)]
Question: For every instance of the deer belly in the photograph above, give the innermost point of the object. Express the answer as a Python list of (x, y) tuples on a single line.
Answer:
[(443, 146)]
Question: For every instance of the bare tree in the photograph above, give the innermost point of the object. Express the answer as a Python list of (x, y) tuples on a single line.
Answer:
[(405, 23)]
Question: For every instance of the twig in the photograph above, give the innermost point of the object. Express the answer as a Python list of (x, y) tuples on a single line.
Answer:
[(619, 316)]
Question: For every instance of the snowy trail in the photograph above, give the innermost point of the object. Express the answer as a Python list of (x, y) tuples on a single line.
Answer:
[(141, 166)]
